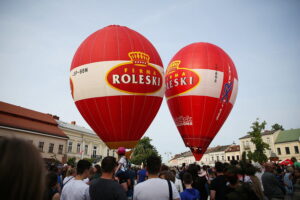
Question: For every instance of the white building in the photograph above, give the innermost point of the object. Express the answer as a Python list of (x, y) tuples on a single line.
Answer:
[(83, 143)]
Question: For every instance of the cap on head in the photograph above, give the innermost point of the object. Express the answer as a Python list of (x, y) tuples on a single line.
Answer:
[(121, 151)]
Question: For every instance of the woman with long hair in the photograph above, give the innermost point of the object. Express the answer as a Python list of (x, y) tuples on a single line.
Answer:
[(21, 170)]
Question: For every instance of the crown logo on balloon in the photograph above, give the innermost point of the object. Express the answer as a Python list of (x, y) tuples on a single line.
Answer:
[(139, 58), (173, 66)]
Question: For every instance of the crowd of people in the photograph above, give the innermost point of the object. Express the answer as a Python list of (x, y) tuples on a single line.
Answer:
[(24, 176)]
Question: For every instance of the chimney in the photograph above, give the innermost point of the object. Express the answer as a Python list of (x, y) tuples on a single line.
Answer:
[(56, 117), (73, 122)]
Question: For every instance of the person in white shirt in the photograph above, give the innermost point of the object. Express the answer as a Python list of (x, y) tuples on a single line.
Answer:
[(76, 189), (178, 183), (155, 187), (71, 173)]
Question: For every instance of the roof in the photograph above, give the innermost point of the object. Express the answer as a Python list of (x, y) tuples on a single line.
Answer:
[(218, 149), (262, 134), (75, 127), (22, 118), (233, 148), (209, 150), (288, 136)]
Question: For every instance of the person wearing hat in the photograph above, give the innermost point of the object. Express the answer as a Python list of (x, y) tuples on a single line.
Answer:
[(121, 171)]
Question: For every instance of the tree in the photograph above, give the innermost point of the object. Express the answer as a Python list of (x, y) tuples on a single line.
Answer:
[(277, 127), (72, 161), (142, 151), (258, 155)]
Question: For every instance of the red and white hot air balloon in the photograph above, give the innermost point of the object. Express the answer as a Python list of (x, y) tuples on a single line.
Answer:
[(117, 84), (201, 88)]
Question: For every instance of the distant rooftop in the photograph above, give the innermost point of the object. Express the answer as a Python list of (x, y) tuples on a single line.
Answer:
[(288, 136), (74, 127), (233, 148), (264, 133), (209, 150), (13, 116)]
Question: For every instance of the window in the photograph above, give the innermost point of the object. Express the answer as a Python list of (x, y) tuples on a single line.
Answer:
[(296, 149), (51, 147), (279, 151), (41, 146), (60, 149), (287, 150), (237, 157), (95, 151), (228, 158), (212, 158), (222, 157), (70, 147), (232, 157), (107, 152), (217, 158), (78, 147), (86, 147)]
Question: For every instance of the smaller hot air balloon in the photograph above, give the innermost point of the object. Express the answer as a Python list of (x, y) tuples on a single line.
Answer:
[(117, 84), (201, 88)]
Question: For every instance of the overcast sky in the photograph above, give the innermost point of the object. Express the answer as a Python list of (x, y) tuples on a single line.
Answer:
[(39, 38)]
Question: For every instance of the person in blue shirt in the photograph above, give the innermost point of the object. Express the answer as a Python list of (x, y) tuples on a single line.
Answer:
[(189, 193), (142, 175)]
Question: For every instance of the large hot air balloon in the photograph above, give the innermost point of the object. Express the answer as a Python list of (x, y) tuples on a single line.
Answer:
[(201, 88), (117, 84)]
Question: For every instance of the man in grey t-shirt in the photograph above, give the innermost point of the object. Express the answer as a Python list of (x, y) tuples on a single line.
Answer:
[(272, 187), (105, 188)]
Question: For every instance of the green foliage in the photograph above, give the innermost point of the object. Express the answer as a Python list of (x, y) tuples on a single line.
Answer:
[(258, 155), (91, 160), (142, 151), (72, 161), (277, 127)]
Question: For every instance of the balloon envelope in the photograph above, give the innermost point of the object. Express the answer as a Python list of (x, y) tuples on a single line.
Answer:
[(117, 84), (201, 88)]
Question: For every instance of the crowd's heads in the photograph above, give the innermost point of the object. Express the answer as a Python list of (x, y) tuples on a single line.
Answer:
[(168, 175), (21, 170), (71, 172), (97, 169), (232, 175), (83, 166), (187, 178), (234, 162), (250, 170), (153, 164), (164, 167), (109, 164), (293, 159), (219, 167), (193, 170), (269, 167)]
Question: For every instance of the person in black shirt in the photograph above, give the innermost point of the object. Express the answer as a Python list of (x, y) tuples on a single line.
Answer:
[(218, 185), (106, 188), (198, 182)]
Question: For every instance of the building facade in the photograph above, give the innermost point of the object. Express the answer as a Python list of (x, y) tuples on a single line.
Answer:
[(37, 128), (268, 137), (287, 144), (210, 157), (83, 143)]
